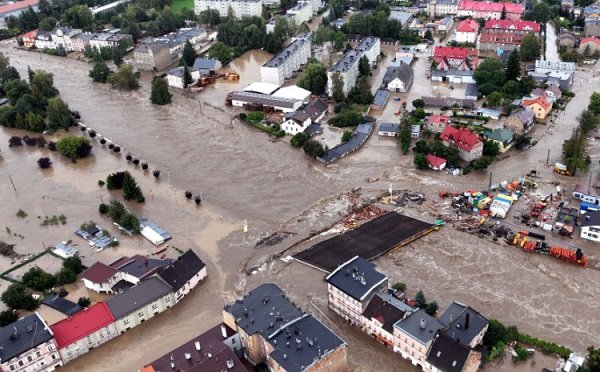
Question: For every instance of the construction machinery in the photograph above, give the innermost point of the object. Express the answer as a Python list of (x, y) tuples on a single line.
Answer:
[(562, 169), (569, 255)]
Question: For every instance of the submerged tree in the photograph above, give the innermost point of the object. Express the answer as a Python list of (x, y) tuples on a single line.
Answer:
[(131, 190), (44, 163), (160, 91)]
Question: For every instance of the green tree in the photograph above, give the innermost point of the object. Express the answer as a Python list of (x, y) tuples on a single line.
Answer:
[(74, 147), (221, 51), (322, 35), (74, 264), (160, 91), (594, 105), (313, 148), (117, 56), (42, 85), (255, 117), (7, 317), (15, 89), (347, 135), (420, 161), (593, 359), (428, 35), (299, 139), (418, 103), (338, 41), (131, 222), (124, 79), (364, 67), (490, 72), (420, 300), (209, 17), (496, 332), (35, 122), (337, 87), (100, 72), (432, 308), (189, 53), (65, 276), (404, 134), (131, 190), (530, 47), (17, 296), (588, 122), (346, 118), (494, 100), (116, 210), (7, 72), (84, 302), (59, 115), (187, 77), (399, 286), (361, 92), (540, 13), (79, 16), (482, 163), (38, 279), (513, 67), (314, 78), (491, 148)]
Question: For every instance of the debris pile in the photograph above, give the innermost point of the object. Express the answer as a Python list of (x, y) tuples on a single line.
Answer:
[(7, 250), (365, 212)]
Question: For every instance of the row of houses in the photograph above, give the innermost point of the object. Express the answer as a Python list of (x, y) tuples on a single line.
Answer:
[(359, 293), (29, 344), (475, 9), (74, 40), (158, 53), (347, 67)]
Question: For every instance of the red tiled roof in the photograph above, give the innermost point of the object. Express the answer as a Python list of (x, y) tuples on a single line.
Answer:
[(462, 138), (438, 119), (540, 101), (507, 25), (30, 35), (17, 5), (468, 25), (592, 39), (484, 6), (454, 52), (488, 36), (435, 160), (81, 324), (99, 273)]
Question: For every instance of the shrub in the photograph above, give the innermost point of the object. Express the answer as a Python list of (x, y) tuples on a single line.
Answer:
[(313, 148), (444, 108), (547, 347), (21, 213), (115, 181), (65, 276), (44, 163), (74, 147), (101, 183), (15, 141), (496, 333), (418, 103), (74, 264), (7, 317), (522, 354), (255, 117), (84, 302), (347, 135), (496, 351), (432, 308), (17, 296), (399, 287), (299, 139)]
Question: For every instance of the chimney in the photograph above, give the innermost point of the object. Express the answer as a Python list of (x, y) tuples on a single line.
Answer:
[(197, 344), (467, 320), (223, 331), (422, 323)]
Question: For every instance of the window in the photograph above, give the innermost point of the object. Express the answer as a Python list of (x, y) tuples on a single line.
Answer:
[(168, 299), (50, 348), (77, 348), (154, 306), (42, 363), (125, 321), (101, 334), (108, 330), (68, 352), (12, 368), (141, 313), (53, 356), (29, 358), (89, 340), (38, 353)]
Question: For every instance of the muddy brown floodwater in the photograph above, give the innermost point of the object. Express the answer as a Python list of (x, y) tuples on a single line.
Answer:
[(241, 175)]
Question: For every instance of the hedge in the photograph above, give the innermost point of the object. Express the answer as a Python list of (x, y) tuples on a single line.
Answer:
[(496, 350), (547, 347), (4, 275), (478, 117)]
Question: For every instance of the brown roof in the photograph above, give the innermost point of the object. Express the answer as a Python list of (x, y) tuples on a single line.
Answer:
[(385, 313), (99, 273), (17, 5)]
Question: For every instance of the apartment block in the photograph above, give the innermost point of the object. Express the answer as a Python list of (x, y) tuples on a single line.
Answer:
[(282, 66)]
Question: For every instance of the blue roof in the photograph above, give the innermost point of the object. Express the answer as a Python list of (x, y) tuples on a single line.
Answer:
[(356, 278)]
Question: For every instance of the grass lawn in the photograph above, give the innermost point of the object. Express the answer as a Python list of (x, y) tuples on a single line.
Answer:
[(180, 4)]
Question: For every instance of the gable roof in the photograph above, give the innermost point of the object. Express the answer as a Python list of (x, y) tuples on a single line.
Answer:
[(403, 72), (462, 138), (435, 160), (386, 312), (440, 119), (140, 266), (454, 52), (447, 355), (462, 323), (61, 304), (484, 6), (205, 64), (356, 278), (315, 109), (590, 39), (539, 100), (510, 25), (181, 270), (501, 135), (137, 297), (468, 25), (31, 331), (99, 273), (389, 127), (526, 115), (81, 324), (412, 326), (17, 5)]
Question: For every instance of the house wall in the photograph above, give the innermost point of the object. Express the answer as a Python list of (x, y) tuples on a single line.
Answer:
[(474, 154), (144, 313), (221, 5), (348, 307), (593, 47), (302, 13), (539, 111), (42, 357), (98, 287), (591, 233), (373, 328), (191, 284), (410, 348), (278, 75), (592, 30), (85, 344), (243, 8), (466, 37)]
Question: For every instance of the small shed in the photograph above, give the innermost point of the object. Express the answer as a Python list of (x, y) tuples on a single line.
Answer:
[(380, 99), (388, 129), (435, 162), (472, 92)]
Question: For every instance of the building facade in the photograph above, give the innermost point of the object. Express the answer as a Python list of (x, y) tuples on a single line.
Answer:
[(240, 8), (541, 106), (302, 12), (63, 36), (285, 64), (184, 274), (440, 8), (467, 31), (470, 146), (175, 76), (589, 45), (347, 67), (413, 336), (506, 34), (490, 10), (520, 121)]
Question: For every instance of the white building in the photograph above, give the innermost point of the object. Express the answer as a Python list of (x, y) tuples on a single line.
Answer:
[(438, 8), (590, 226), (283, 65), (347, 67), (175, 76), (295, 122), (240, 8), (314, 4), (63, 36), (302, 12), (371, 48), (184, 274)]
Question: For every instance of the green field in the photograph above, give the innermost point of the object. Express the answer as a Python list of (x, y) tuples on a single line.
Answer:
[(180, 4)]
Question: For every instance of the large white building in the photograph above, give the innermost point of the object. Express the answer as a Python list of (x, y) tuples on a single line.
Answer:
[(282, 66), (240, 8), (175, 76), (302, 12), (438, 8), (347, 67)]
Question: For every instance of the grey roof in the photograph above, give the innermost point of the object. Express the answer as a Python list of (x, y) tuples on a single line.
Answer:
[(591, 218), (347, 61), (285, 54), (403, 72), (147, 291), (385, 311), (178, 71), (381, 97), (263, 99), (31, 331), (356, 278), (140, 266), (455, 318), (366, 44), (144, 222), (402, 17), (360, 135), (447, 1), (183, 269), (472, 90), (313, 129), (447, 355), (389, 127), (412, 326), (524, 116), (302, 343), (501, 135), (444, 73), (205, 64), (316, 108), (62, 304), (263, 310)]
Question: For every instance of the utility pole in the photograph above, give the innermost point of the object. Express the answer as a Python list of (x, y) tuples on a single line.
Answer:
[(13, 184), (548, 157), (490, 183)]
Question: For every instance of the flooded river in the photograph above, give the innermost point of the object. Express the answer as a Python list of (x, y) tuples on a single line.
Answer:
[(243, 176)]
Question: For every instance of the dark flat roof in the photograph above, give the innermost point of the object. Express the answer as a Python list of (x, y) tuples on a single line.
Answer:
[(358, 138), (356, 278), (31, 331), (447, 355), (140, 266), (368, 241), (136, 297), (61, 304), (454, 320)]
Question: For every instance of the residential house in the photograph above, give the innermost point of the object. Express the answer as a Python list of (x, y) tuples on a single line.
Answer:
[(592, 27), (436, 123), (413, 336), (317, 110), (464, 324), (592, 11), (590, 226), (175, 76), (207, 66), (351, 286), (589, 45), (551, 72), (295, 122), (454, 64), (101, 278), (16, 8), (567, 4), (266, 321), (470, 146), (552, 91), (415, 131), (467, 31), (520, 121), (398, 79), (301, 12), (80, 41), (435, 162), (29, 38), (506, 34), (43, 40), (28, 345), (240, 8), (283, 66), (63, 36), (444, 25), (64, 250), (588, 195), (441, 8), (447, 355), (140, 303), (380, 315), (388, 129), (568, 39), (490, 10), (503, 137), (541, 106), (154, 233), (208, 352), (184, 274), (138, 267), (87, 329), (158, 53)]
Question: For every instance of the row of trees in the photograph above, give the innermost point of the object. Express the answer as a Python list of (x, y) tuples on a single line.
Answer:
[(119, 214), (575, 150)]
